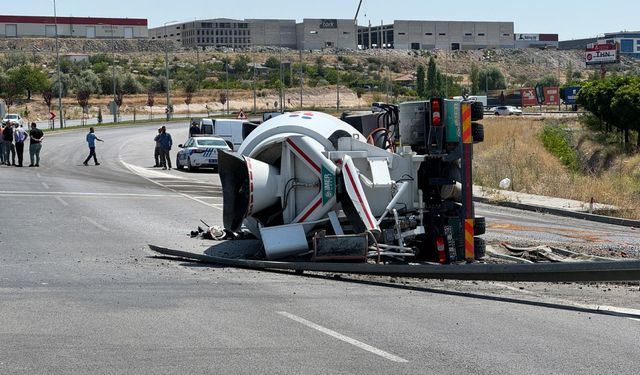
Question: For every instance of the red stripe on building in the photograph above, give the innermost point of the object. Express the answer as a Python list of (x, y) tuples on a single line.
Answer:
[(304, 156), (74, 20)]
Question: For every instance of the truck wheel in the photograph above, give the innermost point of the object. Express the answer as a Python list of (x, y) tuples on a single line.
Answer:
[(477, 111), (477, 132), (479, 247), (479, 226)]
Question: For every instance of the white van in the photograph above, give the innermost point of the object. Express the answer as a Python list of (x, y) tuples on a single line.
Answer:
[(231, 130)]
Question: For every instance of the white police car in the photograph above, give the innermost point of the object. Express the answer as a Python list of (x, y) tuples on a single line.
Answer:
[(200, 152)]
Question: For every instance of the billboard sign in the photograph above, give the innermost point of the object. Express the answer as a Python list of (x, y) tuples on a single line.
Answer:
[(329, 24), (604, 53), (570, 94), (529, 97), (528, 37), (551, 96)]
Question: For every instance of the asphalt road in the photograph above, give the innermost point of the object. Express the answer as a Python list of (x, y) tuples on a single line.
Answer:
[(79, 292)]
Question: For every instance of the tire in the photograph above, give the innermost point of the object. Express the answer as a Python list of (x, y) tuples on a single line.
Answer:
[(191, 168), (477, 132), (479, 248), (479, 226), (178, 165), (497, 113), (477, 111)]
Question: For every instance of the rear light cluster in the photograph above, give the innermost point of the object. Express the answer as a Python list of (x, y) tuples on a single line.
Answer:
[(435, 112)]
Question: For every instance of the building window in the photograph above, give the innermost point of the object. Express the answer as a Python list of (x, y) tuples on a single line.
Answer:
[(468, 34), (428, 33), (402, 33), (480, 34), (442, 34), (506, 34)]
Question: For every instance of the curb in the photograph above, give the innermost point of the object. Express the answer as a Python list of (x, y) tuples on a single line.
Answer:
[(561, 212)]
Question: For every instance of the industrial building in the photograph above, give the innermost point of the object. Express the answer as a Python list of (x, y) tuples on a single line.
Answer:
[(536, 40), (223, 32), (452, 35), (72, 27), (629, 42)]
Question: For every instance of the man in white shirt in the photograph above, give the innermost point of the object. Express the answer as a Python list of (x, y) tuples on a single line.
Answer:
[(19, 136)]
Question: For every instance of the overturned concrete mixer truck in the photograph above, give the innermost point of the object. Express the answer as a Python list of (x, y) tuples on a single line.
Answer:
[(313, 187)]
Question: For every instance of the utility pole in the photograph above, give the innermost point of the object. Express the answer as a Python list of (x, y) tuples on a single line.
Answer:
[(113, 64), (226, 88), (301, 79), (60, 111), (166, 68), (253, 61), (337, 69)]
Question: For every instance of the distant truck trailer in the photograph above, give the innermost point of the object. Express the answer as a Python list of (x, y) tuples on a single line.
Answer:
[(474, 98)]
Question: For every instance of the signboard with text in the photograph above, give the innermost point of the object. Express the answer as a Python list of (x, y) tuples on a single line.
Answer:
[(528, 37), (570, 94), (605, 53), (329, 24)]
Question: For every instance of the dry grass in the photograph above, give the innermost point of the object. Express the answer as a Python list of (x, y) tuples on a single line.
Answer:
[(512, 150)]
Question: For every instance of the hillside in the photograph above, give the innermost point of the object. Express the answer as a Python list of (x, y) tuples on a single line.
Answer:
[(379, 71)]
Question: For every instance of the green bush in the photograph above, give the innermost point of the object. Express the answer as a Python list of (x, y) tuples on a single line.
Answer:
[(557, 140)]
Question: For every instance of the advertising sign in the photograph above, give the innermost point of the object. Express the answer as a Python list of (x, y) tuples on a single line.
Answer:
[(551, 96), (605, 53), (528, 37), (329, 24), (570, 94), (529, 97)]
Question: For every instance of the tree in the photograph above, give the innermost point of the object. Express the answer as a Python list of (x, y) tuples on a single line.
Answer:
[(83, 101), (431, 88), (272, 63), (320, 67), (420, 88), (474, 77), (29, 79), (222, 98), (150, 102), (626, 105), (87, 81), (241, 65), (491, 78), (130, 84), (47, 96), (568, 77), (549, 80)]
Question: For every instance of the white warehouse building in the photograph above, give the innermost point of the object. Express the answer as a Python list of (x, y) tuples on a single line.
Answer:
[(72, 27)]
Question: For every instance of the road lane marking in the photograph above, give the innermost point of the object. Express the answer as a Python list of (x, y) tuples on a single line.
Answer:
[(142, 173), (62, 201), (45, 185), (344, 338), (70, 193), (637, 320), (39, 175), (96, 224)]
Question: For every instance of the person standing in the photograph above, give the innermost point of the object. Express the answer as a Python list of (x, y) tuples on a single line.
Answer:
[(194, 129), (165, 146), (35, 145), (1, 145), (91, 141), (7, 140), (19, 136), (156, 152)]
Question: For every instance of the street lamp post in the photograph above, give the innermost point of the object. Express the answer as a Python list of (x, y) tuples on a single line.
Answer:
[(338, 71), (113, 66), (166, 68), (60, 112)]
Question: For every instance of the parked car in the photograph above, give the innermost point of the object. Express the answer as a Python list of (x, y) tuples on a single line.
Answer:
[(200, 152), (12, 118), (506, 110)]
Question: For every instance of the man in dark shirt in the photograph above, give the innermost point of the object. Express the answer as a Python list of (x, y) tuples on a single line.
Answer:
[(7, 140), (194, 129), (35, 138)]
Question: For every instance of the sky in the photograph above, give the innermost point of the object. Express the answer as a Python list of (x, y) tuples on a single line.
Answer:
[(571, 19)]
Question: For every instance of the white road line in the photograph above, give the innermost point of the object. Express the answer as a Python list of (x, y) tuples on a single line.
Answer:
[(39, 175), (344, 338), (97, 225), (62, 202), (637, 320), (137, 171), (68, 193), (45, 185)]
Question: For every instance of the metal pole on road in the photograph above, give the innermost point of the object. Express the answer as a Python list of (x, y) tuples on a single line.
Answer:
[(166, 68), (113, 65), (60, 111)]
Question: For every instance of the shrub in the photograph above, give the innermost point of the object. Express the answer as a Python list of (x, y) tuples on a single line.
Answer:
[(557, 140)]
